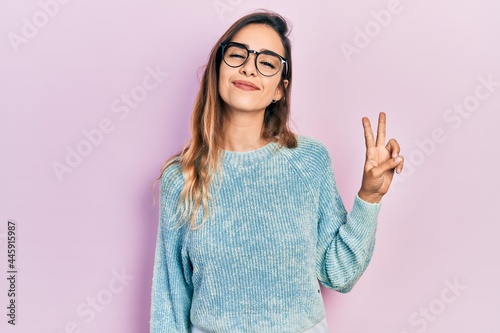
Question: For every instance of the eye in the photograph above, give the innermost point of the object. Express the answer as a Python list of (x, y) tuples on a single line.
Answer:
[(236, 52), (269, 61), (267, 64), (239, 55)]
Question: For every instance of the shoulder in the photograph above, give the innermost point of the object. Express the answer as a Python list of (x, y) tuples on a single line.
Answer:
[(310, 143), (172, 180), (310, 158), (310, 151)]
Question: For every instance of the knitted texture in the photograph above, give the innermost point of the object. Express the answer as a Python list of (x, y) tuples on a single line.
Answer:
[(277, 227)]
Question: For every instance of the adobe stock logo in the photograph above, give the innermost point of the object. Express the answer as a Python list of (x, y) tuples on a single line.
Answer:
[(454, 117), (363, 37), (94, 137), (224, 6), (88, 310), (31, 27), (429, 313)]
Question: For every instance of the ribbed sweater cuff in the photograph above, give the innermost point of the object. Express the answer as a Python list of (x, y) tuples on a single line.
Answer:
[(377, 204), (365, 213)]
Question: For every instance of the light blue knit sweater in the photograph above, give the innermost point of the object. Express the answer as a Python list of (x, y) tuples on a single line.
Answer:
[(278, 227)]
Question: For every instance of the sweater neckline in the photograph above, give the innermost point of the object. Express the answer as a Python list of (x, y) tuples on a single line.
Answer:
[(249, 157)]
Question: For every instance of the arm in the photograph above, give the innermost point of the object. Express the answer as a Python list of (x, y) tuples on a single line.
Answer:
[(345, 241), (171, 288)]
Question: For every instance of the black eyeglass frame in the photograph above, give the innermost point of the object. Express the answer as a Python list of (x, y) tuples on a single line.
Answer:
[(283, 60)]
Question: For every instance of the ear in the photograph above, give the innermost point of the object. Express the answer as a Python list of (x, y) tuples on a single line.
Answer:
[(279, 90)]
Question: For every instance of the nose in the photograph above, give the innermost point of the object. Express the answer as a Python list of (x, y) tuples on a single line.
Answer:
[(249, 66)]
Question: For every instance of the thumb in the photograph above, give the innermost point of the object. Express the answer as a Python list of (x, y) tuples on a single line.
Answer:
[(390, 164)]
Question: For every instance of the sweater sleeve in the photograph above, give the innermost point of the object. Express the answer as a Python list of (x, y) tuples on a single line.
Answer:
[(171, 287), (345, 240)]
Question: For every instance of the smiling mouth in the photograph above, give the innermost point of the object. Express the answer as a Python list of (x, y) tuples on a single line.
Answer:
[(245, 85)]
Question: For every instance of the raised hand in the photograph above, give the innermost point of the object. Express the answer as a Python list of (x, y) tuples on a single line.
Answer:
[(381, 162)]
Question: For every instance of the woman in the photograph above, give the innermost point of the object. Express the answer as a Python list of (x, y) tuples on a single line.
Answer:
[(250, 215)]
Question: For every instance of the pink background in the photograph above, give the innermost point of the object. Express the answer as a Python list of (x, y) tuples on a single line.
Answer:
[(437, 226)]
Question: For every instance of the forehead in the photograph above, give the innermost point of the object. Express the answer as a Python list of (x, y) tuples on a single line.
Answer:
[(259, 37)]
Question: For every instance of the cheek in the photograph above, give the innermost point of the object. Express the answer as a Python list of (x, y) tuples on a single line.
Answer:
[(271, 87), (222, 87), (224, 75)]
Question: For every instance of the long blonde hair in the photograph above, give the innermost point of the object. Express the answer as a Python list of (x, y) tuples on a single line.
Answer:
[(199, 158)]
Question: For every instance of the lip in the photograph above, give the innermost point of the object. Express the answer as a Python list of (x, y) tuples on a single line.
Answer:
[(245, 85)]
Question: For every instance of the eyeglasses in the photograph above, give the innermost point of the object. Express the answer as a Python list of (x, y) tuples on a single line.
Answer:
[(267, 62)]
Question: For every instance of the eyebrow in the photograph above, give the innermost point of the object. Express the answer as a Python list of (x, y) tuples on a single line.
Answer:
[(261, 50)]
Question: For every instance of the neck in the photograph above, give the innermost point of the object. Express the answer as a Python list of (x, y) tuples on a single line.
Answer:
[(243, 131)]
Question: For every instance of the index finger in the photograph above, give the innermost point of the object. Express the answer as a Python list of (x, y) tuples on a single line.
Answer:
[(381, 129), (369, 141)]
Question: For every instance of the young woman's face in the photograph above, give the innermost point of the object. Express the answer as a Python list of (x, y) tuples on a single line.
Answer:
[(244, 88)]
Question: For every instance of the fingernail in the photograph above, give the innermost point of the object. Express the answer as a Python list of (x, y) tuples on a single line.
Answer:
[(398, 159), (394, 155)]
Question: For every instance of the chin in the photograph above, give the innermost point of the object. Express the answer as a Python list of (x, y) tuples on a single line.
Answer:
[(248, 108)]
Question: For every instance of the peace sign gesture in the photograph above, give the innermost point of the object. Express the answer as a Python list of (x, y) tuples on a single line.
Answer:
[(381, 162)]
